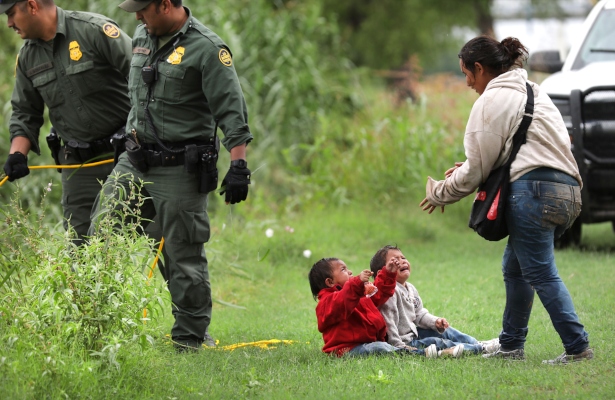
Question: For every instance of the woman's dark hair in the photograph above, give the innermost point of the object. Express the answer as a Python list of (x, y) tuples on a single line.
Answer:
[(321, 270), (380, 258), (496, 57)]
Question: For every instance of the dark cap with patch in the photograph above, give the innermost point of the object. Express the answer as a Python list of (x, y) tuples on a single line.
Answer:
[(134, 5), (5, 5)]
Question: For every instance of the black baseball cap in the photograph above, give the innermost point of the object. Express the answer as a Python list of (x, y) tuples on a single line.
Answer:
[(6, 5), (133, 5)]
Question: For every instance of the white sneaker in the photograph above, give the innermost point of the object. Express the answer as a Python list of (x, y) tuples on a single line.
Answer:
[(490, 346), (454, 352), (431, 351)]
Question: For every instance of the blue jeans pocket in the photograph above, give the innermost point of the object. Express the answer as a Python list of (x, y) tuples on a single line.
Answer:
[(556, 214)]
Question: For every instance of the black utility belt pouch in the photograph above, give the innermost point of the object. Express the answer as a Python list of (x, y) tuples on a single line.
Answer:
[(136, 155), (86, 152), (488, 216), (208, 169)]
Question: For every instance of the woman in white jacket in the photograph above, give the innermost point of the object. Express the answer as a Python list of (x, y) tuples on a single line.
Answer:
[(545, 191)]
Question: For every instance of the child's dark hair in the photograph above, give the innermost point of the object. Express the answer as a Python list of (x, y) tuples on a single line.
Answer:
[(496, 57), (380, 258), (321, 270)]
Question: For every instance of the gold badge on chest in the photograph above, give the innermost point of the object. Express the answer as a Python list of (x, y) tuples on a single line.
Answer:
[(75, 51), (176, 57)]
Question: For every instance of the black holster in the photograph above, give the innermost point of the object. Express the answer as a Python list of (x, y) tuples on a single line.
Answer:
[(208, 168), (136, 155), (54, 143), (118, 141)]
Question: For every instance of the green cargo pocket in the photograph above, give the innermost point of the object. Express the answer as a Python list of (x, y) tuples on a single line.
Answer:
[(170, 82), (47, 85), (85, 77), (196, 226)]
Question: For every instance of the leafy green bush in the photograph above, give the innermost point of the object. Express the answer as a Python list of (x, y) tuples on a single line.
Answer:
[(63, 299)]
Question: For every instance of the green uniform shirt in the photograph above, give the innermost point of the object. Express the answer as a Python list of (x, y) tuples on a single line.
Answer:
[(80, 75), (196, 83)]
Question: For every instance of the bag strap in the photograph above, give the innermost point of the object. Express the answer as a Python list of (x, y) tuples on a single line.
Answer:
[(521, 133)]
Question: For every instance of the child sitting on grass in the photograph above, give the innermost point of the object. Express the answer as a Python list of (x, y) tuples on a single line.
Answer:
[(409, 324), (349, 321)]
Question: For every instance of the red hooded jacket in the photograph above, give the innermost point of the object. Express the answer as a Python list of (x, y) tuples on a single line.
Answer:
[(347, 318)]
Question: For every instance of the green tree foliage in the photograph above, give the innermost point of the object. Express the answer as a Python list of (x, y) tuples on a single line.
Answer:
[(384, 33), (291, 64)]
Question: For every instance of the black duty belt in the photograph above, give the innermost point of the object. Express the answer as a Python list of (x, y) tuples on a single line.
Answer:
[(162, 158), (83, 151)]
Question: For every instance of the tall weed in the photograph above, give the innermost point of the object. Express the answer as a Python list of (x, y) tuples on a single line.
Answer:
[(58, 299)]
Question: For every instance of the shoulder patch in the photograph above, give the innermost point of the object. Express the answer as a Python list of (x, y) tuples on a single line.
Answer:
[(111, 30), (225, 57)]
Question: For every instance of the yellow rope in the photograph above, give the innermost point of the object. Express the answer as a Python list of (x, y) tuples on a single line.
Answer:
[(262, 344), (70, 166), (151, 272)]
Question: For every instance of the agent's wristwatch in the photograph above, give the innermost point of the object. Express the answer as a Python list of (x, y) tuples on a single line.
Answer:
[(239, 163)]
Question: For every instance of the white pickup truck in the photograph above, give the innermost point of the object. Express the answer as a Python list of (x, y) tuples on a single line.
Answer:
[(583, 89)]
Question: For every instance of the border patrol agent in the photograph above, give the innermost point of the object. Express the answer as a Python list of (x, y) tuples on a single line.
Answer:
[(183, 86), (76, 63)]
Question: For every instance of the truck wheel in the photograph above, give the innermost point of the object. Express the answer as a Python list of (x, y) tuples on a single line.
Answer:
[(572, 236)]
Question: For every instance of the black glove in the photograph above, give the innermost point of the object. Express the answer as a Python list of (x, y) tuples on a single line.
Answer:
[(236, 181), (16, 166)]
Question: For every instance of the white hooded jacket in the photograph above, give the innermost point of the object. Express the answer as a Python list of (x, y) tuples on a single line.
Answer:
[(494, 119)]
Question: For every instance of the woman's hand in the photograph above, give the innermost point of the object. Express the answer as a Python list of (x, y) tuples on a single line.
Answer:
[(428, 206), (449, 171)]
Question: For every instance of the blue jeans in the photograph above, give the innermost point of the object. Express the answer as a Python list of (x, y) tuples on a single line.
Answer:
[(366, 349), (537, 212), (450, 338)]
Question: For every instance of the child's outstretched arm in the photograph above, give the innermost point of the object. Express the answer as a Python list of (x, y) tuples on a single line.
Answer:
[(385, 282)]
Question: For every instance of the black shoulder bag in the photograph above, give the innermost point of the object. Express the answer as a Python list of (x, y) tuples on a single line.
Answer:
[(488, 211)]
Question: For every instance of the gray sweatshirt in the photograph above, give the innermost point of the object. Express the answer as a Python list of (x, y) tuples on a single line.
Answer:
[(493, 121), (403, 313)]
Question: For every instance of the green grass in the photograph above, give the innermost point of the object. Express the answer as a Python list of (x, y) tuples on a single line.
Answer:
[(458, 276)]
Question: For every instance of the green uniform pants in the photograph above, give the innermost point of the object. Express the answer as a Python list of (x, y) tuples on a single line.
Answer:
[(79, 190), (181, 212)]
